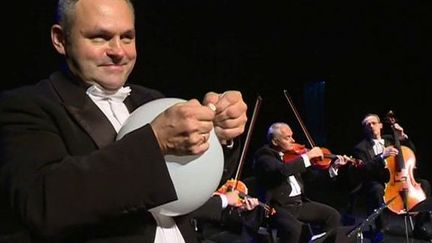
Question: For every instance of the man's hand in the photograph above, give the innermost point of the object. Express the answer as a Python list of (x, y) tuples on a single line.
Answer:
[(315, 152), (341, 160), (389, 151), (184, 128), (400, 131), (230, 119)]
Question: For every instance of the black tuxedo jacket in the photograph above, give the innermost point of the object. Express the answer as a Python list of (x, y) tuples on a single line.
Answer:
[(374, 166), (63, 178), (272, 175)]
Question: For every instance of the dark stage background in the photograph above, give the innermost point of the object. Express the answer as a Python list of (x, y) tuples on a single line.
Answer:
[(337, 59)]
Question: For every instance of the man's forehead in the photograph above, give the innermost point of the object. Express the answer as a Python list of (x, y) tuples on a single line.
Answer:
[(370, 119), (286, 130)]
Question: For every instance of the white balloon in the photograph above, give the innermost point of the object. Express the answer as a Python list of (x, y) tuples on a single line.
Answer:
[(195, 178)]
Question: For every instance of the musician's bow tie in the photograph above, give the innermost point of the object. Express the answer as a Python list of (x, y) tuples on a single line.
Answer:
[(118, 96), (379, 141)]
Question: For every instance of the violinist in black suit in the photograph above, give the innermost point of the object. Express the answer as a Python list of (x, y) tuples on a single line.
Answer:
[(373, 150), (63, 175), (282, 185)]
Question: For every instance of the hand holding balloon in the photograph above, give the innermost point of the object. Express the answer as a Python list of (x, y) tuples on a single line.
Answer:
[(184, 128), (194, 193), (230, 119)]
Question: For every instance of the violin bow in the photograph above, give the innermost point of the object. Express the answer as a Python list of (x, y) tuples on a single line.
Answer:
[(300, 121), (248, 138), (269, 210)]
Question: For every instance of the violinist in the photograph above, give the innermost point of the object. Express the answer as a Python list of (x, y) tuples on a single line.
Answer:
[(235, 221), (373, 150), (283, 186)]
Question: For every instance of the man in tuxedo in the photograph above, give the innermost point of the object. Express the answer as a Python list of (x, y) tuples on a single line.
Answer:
[(237, 224), (63, 175), (373, 150), (282, 186)]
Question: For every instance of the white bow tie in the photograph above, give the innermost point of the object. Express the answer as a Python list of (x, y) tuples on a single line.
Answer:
[(379, 141), (100, 94)]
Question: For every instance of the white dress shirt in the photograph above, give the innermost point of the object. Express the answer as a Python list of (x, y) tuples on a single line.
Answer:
[(111, 104), (295, 186), (378, 146), (296, 190)]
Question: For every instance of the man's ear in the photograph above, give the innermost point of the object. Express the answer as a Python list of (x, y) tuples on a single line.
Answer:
[(57, 39)]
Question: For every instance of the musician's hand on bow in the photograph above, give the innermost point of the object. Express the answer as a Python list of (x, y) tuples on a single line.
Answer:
[(244, 203), (184, 128), (231, 117), (389, 151), (233, 198), (315, 152)]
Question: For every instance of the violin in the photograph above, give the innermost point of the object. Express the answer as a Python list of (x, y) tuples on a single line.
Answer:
[(242, 189), (328, 157), (237, 185), (321, 163), (296, 149)]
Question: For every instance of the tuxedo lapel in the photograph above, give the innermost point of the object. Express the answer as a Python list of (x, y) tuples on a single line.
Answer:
[(370, 149), (84, 110), (138, 97), (130, 104), (94, 122)]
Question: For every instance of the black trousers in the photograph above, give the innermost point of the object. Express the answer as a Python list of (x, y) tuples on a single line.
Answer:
[(290, 219)]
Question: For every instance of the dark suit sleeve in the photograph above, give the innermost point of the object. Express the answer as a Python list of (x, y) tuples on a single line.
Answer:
[(371, 163), (56, 179), (267, 162), (212, 209)]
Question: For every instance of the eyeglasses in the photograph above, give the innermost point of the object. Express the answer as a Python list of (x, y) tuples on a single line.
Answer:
[(371, 123)]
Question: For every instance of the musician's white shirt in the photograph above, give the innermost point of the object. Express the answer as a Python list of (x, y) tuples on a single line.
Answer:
[(295, 186), (167, 230), (111, 104)]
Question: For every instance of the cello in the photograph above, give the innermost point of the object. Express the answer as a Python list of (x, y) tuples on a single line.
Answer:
[(401, 185)]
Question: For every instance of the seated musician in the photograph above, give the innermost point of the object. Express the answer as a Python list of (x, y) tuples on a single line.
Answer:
[(373, 150), (284, 191)]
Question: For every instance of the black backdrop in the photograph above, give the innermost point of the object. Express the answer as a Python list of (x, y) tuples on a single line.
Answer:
[(338, 59)]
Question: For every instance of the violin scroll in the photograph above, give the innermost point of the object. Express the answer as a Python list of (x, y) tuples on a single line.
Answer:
[(391, 117)]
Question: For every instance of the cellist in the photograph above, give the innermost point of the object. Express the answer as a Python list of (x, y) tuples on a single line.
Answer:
[(373, 150)]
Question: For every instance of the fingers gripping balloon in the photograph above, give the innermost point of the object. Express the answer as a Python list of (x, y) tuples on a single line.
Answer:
[(195, 178)]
